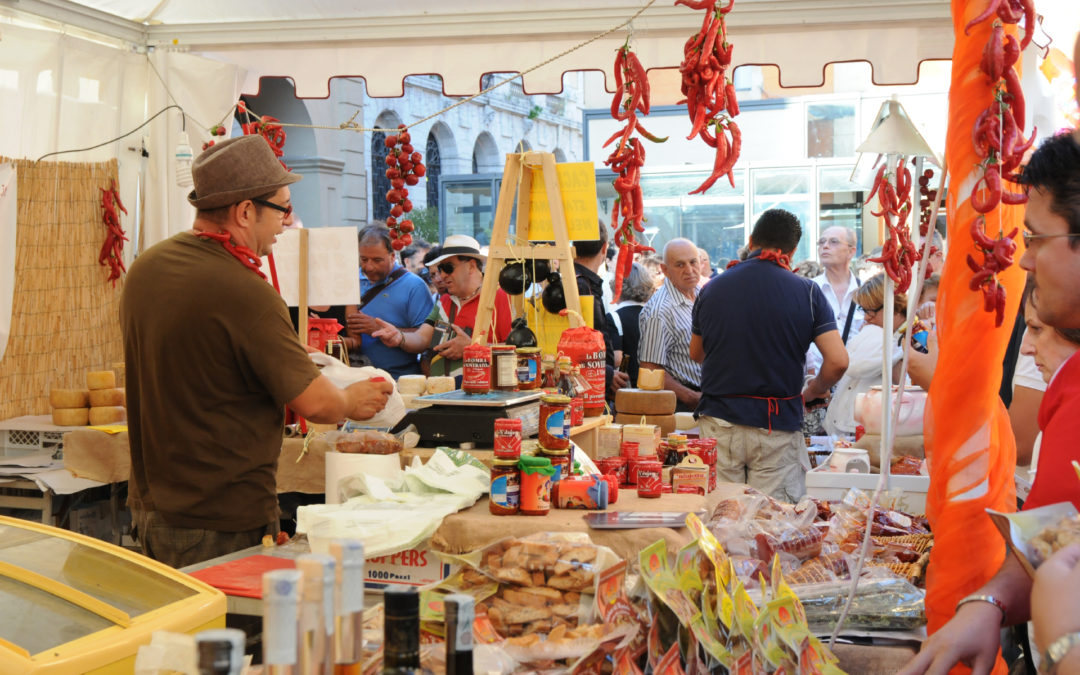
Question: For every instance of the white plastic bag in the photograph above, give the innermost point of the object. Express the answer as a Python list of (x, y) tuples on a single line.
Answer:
[(342, 376)]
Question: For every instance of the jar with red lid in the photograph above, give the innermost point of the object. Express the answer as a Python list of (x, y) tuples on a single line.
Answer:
[(503, 368), (476, 369), (508, 439), (536, 474), (505, 495), (554, 418), (648, 479)]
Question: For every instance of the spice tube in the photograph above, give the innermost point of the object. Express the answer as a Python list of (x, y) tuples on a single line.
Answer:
[(648, 478), (536, 473), (476, 369), (505, 495), (281, 613), (507, 438), (554, 415)]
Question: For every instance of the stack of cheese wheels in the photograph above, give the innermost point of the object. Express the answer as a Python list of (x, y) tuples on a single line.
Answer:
[(106, 400), (70, 407), (657, 407), (411, 386)]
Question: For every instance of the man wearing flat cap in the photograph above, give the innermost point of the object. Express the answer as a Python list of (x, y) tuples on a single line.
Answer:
[(212, 361)]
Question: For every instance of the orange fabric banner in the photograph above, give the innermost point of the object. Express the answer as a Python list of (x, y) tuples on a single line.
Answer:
[(969, 440)]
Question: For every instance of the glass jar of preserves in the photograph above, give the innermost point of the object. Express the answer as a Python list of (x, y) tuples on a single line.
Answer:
[(503, 368), (554, 416), (476, 369), (560, 459), (536, 474), (528, 368), (505, 488)]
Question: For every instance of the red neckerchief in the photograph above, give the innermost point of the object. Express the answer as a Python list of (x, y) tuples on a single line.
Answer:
[(244, 254), (771, 254)]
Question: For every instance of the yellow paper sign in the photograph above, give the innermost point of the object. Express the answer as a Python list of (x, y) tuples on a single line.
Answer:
[(577, 183), (549, 327)]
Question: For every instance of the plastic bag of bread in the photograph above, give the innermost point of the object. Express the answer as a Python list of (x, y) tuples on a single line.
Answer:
[(1054, 538), (363, 441)]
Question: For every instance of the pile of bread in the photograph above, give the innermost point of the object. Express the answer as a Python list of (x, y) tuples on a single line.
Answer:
[(102, 402)]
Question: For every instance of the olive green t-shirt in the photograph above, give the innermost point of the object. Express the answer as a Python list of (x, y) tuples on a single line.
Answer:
[(211, 360)]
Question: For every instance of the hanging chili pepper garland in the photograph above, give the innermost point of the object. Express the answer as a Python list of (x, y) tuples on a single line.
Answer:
[(112, 251), (404, 168), (898, 254), (998, 138), (710, 95), (628, 212)]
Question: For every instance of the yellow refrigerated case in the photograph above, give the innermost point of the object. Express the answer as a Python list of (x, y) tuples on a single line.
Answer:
[(74, 604)]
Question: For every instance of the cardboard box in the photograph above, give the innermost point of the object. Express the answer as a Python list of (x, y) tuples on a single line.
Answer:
[(830, 485), (413, 567)]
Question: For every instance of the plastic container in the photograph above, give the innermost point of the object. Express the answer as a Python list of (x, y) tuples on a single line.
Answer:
[(648, 478), (507, 443), (589, 492), (536, 474)]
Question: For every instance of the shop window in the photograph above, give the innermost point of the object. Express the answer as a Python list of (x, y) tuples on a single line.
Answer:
[(830, 130), (840, 202), (789, 189)]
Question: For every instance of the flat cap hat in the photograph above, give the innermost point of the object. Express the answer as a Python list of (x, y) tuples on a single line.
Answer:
[(234, 170)]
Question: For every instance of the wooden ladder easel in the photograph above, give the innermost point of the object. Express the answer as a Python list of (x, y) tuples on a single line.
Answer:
[(517, 182)]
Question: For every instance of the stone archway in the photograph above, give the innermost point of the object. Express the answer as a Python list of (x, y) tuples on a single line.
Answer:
[(486, 157)]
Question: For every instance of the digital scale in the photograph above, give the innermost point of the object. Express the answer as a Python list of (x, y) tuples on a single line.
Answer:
[(455, 417)]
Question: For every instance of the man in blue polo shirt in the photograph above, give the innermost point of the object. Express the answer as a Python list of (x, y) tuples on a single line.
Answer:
[(392, 298), (751, 327)]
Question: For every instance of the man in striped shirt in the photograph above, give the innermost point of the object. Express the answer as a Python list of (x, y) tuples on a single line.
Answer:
[(665, 324)]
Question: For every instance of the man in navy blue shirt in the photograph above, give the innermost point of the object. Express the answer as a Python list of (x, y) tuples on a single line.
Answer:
[(751, 327), (393, 299)]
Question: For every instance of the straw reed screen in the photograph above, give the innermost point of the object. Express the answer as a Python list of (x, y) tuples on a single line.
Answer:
[(65, 316)]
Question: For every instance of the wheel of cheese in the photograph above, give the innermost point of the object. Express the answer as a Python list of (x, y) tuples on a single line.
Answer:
[(70, 417), (412, 384), (411, 403), (68, 398), (650, 380), (643, 402), (100, 379), (665, 422), (440, 385), (107, 415), (100, 398)]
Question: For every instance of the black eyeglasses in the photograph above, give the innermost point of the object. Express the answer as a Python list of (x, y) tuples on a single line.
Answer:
[(874, 310), (446, 267), (287, 210)]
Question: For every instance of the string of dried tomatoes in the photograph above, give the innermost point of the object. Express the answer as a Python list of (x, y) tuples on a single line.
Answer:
[(998, 138), (404, 168), (898, 254), (112, 251), (710, 95), (628, 212)]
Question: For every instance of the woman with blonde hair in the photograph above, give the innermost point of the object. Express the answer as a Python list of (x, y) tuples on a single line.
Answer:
[(865, 352)]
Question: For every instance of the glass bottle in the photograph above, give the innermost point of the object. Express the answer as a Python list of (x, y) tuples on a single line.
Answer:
[(314, 647), (281, 615), (401, 632), (348, 606), (221, 651), (459, 610), (550, 378)]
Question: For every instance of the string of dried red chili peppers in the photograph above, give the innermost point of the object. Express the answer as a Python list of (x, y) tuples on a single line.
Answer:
[(898, 254), (112, 251), (403, 167), (710, 95), (998, 137), (628, 212)]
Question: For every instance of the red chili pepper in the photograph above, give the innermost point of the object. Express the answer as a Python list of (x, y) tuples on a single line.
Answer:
[(1012, 86), (993, 58), (990, 10)]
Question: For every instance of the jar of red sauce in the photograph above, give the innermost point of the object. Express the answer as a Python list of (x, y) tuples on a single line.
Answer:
[(560, 459), (528, 368), (648, 478), (508, 439), (503, 368), (476, 369), (554, 415), (505, 495)]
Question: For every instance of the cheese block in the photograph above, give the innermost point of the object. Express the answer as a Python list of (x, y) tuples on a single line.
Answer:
[(70, 417), (100, 379), (685, 421), (68, 398), (440, 385), (666, 423), (650, 380), (100, 398), (107, 415), (411, 403), (642, 402), (412, 384)]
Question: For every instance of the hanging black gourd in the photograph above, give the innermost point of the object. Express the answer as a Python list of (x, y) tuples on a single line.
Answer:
[(521, 335), (554, 299), (514, 277)]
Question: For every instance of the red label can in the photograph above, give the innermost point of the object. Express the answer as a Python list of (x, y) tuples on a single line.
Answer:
[(613, 466), (507, 438), (577, 411), (476, 369), (632, 464), (648, 478), (629, 449)]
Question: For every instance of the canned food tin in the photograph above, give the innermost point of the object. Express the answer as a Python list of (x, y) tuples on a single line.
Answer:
[(648, 479), (577, 411), (507, 439), (628, 449), (613, 466), (476, 369)]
